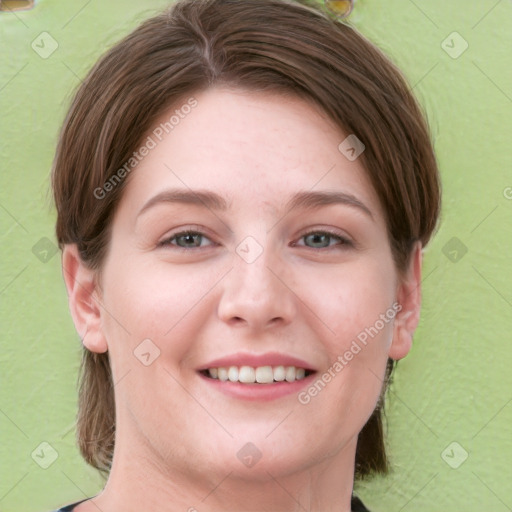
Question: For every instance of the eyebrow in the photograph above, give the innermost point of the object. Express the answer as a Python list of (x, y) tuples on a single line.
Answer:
[(305, 200), (314, 200), (210, 200)]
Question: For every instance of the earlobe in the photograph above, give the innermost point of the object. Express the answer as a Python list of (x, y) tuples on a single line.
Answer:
[(83, 298), (409, 298)]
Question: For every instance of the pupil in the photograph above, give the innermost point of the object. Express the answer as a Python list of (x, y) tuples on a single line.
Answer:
[(319, 239), (190, 239)]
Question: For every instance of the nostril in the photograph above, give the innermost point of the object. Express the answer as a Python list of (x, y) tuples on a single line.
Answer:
[(16, 5)]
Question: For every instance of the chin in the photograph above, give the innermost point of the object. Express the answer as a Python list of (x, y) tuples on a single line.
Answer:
[(262, 458)]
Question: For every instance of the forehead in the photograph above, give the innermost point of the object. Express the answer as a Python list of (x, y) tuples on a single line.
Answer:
[(252, 148)]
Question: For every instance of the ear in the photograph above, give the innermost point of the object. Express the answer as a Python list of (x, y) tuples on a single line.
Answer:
[(409, 298), (84, 299)]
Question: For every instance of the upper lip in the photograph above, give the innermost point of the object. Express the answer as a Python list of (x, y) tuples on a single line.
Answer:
[(256, 360)]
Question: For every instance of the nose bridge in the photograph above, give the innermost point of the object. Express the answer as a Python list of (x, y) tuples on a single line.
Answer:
[(252, 267), (251, 271), (253, 293)]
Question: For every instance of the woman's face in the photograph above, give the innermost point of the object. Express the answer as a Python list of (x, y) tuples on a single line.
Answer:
[(286, 263)]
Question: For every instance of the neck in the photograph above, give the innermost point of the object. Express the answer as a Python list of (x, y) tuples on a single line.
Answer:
[(142, 480)]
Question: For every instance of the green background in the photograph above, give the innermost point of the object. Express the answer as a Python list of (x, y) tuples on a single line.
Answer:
[(456, 384)]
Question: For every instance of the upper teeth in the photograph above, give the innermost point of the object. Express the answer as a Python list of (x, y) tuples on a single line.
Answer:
[(260, 374)]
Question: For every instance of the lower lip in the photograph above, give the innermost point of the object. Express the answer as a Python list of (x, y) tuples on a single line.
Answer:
[(260, 392)]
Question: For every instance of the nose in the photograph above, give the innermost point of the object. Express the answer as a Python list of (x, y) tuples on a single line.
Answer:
[(256, 294)]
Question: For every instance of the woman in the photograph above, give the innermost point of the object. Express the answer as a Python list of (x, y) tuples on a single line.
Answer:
[(243, 189)]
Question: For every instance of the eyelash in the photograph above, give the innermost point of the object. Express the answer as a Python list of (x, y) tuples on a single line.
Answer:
[(344, 242)]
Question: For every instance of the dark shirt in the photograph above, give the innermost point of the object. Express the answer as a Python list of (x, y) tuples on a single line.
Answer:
[(356, 506), (69, 508)]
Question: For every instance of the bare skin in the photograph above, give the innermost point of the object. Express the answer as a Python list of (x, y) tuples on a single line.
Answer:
[(289, 289)]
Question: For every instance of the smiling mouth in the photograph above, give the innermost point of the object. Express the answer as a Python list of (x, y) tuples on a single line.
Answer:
[(257, 375)]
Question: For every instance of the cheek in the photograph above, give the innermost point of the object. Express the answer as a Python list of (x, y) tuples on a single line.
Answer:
[(155, 311), (352, 302), (356, 304), (155, 301)]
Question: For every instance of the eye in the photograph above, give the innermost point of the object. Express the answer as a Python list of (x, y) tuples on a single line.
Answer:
[(314, 240), (186, 240), (324, 239)]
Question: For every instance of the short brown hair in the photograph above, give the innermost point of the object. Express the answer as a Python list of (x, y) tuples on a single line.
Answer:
[(290, 47)]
